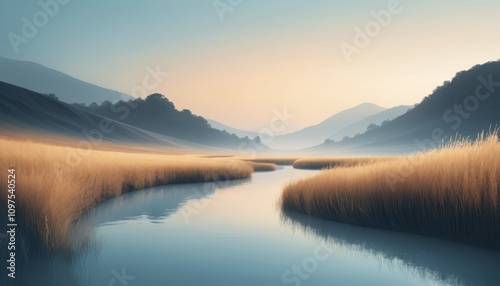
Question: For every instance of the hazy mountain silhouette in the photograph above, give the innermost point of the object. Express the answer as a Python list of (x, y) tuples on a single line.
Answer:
[(315, 135), (464, 106), (376, 119), (232, 130), (44, 80), (24, 111), (157, 114)]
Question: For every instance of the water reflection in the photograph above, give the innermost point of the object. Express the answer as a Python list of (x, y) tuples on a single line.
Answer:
[(449, 263), (242, 239), (157, 203), (72, 269)]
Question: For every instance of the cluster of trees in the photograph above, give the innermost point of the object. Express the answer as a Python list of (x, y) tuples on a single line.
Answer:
[(157, 114), (373, 125)]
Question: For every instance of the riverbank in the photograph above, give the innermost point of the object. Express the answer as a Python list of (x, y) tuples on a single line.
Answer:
[(452, 193), (55, 184)]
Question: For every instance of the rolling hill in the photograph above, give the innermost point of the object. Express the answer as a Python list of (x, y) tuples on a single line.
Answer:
[(44, 80), (25, 112), (157, 114)]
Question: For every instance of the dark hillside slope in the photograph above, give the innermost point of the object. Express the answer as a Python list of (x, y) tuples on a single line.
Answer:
[(22, 110), (157, 114), (466, 106)]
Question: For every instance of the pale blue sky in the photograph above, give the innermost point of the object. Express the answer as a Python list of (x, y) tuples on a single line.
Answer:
[(265, 54)]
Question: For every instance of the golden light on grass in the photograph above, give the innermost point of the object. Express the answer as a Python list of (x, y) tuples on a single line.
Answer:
[(55, 186), (452, 193)]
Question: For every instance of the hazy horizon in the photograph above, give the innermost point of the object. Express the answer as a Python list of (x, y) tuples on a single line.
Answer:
[(238, 66)]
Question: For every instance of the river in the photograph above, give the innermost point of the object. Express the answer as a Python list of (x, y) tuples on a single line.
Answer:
[(234, 233)]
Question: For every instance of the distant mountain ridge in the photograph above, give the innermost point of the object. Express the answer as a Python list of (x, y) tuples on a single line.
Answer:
[(376, 119), (315, 135), (464, 106), (44, 80)]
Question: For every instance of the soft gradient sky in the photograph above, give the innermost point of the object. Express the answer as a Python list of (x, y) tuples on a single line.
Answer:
[(265, 54)]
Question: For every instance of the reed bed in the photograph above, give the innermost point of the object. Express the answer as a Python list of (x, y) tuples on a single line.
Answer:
[(452, 193), (328, 163), (56, 185)]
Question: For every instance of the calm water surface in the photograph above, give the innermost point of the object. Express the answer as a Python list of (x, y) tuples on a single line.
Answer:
[(234, 233)]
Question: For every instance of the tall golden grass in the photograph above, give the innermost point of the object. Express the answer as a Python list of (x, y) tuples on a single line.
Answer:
[(327, 163), (56, 185), (452, 193)]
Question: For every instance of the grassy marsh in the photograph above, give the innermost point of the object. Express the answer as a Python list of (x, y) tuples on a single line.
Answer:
[(319, 163), (452, 193), (56, 184)]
